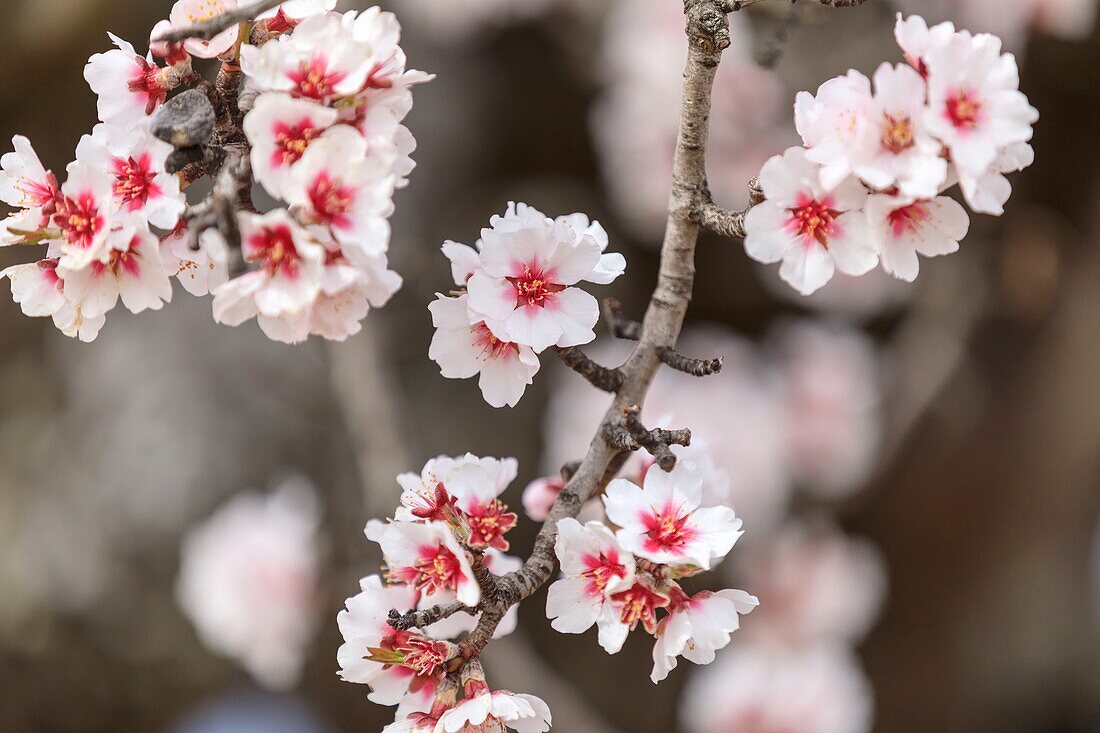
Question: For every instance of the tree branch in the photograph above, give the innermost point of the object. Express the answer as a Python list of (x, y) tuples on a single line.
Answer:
[(619, 325), (732, 6), (687, 365), (426, 617), (218, 24), (599, 376)]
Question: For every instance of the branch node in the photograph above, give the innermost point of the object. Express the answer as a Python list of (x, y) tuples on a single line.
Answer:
[(694, 367)]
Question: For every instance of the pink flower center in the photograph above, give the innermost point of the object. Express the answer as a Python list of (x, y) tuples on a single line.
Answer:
[(491, 346), (134, 181), (331, 199), (814, 220), (291, 141), (275, 248), (315, 80), (963, 110), (437, 569), (601, 570), (534, 287), (148, 81), (639, 605), (667, 530), (79, 220), (489, 523), (897, 135), (911, 218)]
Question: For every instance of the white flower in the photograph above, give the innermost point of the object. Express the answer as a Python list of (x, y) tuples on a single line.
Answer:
[(321, 60), (189, 12), (290, 274), (987, 194), (528, 265), (753, 689), (36, 287), (419, 491), (834, 124), (663, 521), (133, 271), (281, 129), (291, 12), (975, 106), (917, 40), (248, 580), (335, 185), (199, 271), (494, 711), (904, 227), (816, 584), (348, 293), (697, 627), (84, 215), (135, 161), (595, 567), (463, 348), (363, 624), (539, 497), (833, 403), (72, 322), (24, 182), (130, 87), (429, 558), (812, 229)]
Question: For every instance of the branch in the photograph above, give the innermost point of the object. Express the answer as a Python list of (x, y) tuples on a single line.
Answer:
[(619, 325), (658, 441), (426, 617), (687, 365), (600, 377), (218, 24), (708, 35), (732, 6), (714, 218)]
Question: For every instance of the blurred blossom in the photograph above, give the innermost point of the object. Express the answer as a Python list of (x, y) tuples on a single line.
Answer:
[(458, 20), (815, 584), (856, 298), (636, 120), (833, 405), (1012, 21), (736, 419), (752, 689), (251, 713), (248, 580)]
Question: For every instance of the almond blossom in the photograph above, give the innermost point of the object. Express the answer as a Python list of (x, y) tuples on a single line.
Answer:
[(464, 345), (485, 710), (24, 181), (248, 580), (906, 227), (200, 271), (596, 567), (189, 12), (428, 557), (135, 160), (663, 521), (281, 129), (130, 87), (814, 230), (36, 287), (84, 215), (696, 627)]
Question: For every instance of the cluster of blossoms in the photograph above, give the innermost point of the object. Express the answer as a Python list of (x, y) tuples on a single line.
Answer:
[(619, 579), (324, 128), (257, 553), (635, 120), (449, 528), (517, 297), (868, 183)]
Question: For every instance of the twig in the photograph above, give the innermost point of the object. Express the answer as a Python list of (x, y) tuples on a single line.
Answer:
[(771, 53), (599, 376), (619, 325), (427, 616), (218, 24), (657, 442), (687, 365), (714, 218), (732, 6)]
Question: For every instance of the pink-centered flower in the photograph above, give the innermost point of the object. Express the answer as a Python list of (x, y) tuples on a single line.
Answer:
[(320, 61), (464, 345), (975, 106), (130, 87), (84, 215), (596, 567), (24, 181), (428, 557), (189, 12), (281, 129), (458, 477), (696, 627), (664, 523), (812, 229), (905, 227), (36, 287), (529, 264), (498, 563), (483, 711), (336, 186), (132, 271), (135, 161)]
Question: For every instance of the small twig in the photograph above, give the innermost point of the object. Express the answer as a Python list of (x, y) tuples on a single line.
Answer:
[(211, 28), (599, 376), (619, 325), (771, 53), (658, 441), (231, 193), (620, 437), (695, 367), (425, 617), (732, 6)]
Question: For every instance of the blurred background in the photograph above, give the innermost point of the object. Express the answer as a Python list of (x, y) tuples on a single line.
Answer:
[(917, 465)]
